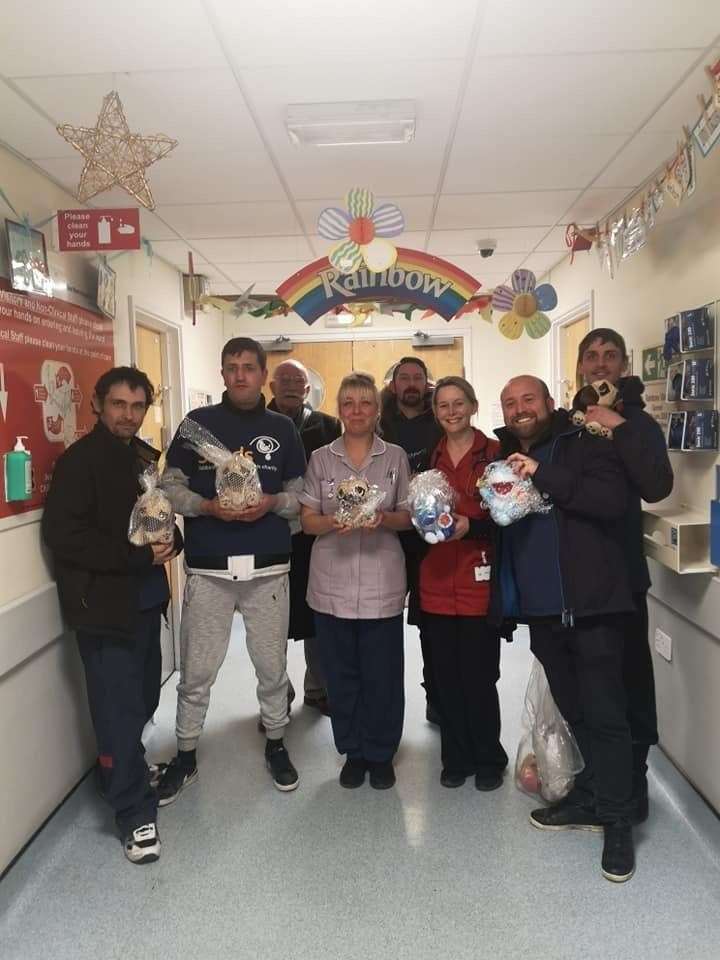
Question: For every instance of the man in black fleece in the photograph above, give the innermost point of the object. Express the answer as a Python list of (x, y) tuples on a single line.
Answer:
[(113, 594), (640, 444), (564, 574)]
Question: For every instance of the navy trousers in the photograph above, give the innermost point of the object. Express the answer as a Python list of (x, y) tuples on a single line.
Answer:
[(123, 687), (364, 666)]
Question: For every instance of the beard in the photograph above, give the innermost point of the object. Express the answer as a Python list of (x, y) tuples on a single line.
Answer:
[(411, 398)]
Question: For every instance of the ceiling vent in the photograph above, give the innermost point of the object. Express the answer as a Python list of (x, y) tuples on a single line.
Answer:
[(351, 124)]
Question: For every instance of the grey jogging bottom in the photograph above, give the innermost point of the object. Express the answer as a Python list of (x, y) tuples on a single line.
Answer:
[(208, 607)]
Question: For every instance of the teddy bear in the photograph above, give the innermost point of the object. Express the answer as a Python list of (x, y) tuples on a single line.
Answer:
[(600, 393)]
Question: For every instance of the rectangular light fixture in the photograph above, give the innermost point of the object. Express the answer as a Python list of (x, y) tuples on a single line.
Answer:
[(351, 124)]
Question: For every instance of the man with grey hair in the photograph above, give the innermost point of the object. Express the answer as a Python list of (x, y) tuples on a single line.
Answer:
[(290, 387), (565, 574)]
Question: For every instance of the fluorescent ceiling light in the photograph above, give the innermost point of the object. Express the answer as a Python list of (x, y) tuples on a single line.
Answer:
[(351, 124)]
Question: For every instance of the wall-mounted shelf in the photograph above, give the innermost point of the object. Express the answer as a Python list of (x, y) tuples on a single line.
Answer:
[(680, 540)]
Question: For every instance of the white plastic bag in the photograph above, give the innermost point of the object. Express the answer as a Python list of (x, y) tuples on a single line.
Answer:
[(548, 756)]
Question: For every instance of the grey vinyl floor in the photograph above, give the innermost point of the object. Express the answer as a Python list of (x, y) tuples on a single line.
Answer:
[(415, 872)]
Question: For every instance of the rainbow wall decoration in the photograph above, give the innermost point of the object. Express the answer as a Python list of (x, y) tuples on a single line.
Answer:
[(416, 277)]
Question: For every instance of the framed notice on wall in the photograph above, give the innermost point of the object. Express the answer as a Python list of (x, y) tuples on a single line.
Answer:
[(51, 355)]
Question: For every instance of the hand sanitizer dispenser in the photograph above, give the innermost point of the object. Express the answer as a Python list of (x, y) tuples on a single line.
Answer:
[(18, 473)]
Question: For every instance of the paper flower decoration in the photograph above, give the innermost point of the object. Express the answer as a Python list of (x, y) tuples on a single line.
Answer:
[(525, 304), (361, 230)]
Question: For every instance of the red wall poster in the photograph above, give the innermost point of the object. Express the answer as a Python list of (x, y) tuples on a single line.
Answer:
[(51, 355)]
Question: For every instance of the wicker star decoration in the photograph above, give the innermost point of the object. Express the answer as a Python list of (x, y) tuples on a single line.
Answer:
[(113, 155)]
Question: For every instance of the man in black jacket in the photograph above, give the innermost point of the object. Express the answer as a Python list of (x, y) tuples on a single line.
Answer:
[(113, 593), (407, 419), (290, 387), (640, 444), (564, 574)]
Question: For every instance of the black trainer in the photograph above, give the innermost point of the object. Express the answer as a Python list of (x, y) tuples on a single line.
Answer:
[(618, 856), (174, 780), (565, 816), (641, 810), (450, 779), (285, 776), (382, 775), (353, 773), (142, 845), (488, 781)]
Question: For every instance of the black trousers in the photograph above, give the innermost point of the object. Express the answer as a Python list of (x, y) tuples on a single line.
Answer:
[(414, 550), (123, 687), (640, 690), (364, 663), (584, 667), (465, 657)]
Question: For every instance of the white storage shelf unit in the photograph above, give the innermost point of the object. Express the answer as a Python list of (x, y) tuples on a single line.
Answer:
[(680, 541)]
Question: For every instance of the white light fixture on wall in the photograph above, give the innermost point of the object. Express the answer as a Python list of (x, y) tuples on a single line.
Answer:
[(351, 124)]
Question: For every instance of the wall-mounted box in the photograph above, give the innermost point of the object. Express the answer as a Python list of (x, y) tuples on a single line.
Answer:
[(678, 540)]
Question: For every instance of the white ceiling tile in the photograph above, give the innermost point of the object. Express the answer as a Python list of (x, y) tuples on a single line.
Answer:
[(176, 251), (554, 242), (505, 164), (448, 243), (212, 177), (415, 210), (254, 249), (26, 130), (568, 96), (262, 273), (487, 210), (683, 109), (152, 228), (502, 263), (548, 27), (231, 219), (642, 156), (384, 168), (201, 109), (593, 206), (115, 35), (324, 31)]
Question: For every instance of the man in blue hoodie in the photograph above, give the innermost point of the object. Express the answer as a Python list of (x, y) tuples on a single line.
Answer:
[(235, 560), (564, 574)]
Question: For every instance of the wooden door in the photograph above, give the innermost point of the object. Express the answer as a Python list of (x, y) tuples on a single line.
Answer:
[(378, 357), (327, 363), (569, 338), (150, 352), (150, 360)]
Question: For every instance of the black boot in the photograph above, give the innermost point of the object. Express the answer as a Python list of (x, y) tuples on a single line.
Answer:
[(618, 856)]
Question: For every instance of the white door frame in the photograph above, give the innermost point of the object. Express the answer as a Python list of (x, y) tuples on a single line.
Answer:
[(564, 320), (176, 407)]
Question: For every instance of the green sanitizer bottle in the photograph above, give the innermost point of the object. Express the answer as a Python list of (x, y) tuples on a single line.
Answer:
[(18, 473)]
